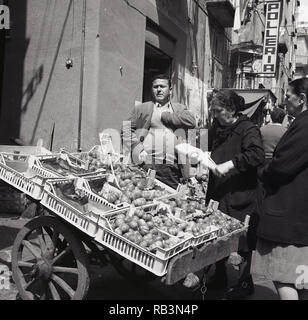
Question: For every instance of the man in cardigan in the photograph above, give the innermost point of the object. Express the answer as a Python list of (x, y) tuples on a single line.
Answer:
[(149, 134), (272, 132)]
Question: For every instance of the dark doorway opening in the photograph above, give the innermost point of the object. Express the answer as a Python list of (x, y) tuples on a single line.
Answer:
[(155, 62)]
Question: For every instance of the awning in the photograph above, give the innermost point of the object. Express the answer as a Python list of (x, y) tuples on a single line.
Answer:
[(255, 101), (254, 95), (250, 111)]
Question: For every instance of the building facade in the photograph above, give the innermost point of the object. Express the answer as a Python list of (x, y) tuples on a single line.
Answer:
[(75, 67), (302, 49)]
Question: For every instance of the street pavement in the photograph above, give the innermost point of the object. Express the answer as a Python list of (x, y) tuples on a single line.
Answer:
[(109, 285)]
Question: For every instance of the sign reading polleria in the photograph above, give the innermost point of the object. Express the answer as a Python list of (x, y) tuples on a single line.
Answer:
[(271, 36)]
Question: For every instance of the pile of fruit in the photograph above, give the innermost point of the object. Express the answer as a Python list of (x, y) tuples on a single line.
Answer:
[(139, 228), (198, 217), (137, 188), (180, 228), (185, 207), (101, 187), (97, 160), (226, 223)]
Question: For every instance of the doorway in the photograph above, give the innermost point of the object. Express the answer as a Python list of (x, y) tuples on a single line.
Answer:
[(155, 62)]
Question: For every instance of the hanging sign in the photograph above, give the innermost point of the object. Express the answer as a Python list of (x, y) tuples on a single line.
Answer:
[(271, 37)]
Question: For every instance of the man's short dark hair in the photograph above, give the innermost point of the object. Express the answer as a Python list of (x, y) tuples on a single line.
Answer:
[(162, 77), (278, 115)]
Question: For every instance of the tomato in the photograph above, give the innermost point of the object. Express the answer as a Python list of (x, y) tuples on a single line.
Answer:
[(138, 238), (159, 244), (139, 202), (143, 244), (127, 219), (148, 217), (142, 222), (133, 225), (173, 231), (124, 228), (119, 222), (139, 213), (150, 224), (144, 230)]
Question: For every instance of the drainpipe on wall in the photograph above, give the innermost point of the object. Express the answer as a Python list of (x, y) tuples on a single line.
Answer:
[(2, 53), (83, 40)]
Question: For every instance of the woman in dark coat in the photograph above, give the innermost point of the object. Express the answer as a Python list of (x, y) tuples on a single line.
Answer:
[(282, 249), (236, 147)]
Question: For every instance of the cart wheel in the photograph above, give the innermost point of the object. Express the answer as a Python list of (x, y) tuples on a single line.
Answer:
[(49, 262), (130, 270)]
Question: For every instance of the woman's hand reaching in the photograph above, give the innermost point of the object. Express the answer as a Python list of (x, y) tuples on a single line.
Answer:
[(221, 170)]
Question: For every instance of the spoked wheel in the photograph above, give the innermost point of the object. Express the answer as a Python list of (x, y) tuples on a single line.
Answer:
[(130, 270), (49, 262)]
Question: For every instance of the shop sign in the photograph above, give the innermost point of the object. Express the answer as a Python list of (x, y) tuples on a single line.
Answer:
[(271, 37)]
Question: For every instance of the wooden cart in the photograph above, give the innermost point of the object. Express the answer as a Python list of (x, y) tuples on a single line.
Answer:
[(53, 254), (51, 259)]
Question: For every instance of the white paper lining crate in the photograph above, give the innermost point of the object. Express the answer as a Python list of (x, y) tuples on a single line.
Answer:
[(156, 263), (85, 221), (16, 171)]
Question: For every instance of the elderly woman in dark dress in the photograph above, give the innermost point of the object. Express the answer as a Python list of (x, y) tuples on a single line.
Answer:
[(236, 147), (282, 249)]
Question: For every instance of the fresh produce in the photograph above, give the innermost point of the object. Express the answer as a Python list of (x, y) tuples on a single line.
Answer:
[(170, 225), (184, 207), (139, 228), (137, 188), (226, 223), (198, 217), (181, 228), (97, 159)]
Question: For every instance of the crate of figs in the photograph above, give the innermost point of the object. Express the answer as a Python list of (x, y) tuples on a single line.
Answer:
[(72, 200), (198, 216), (200, 231), (24, 173), (65, 164), (130, 185), (136, 234)]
